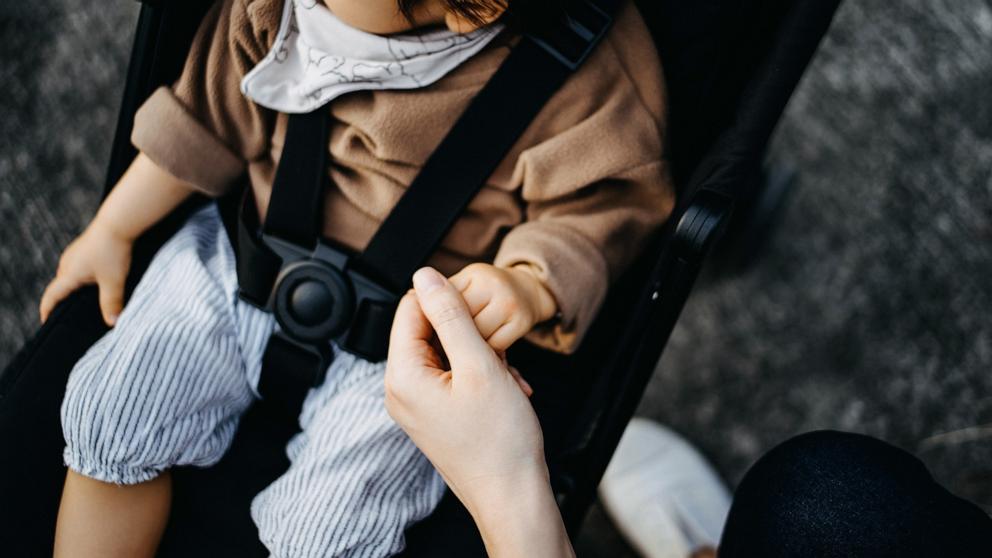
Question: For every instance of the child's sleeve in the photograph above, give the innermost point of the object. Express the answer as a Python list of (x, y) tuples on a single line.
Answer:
[(202, 129), (595, 187)]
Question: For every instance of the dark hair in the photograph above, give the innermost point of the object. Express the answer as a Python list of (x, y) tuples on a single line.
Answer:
[(526, 14)]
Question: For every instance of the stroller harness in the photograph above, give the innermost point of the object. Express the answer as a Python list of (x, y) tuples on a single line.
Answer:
[(730, 69), (320, 292)]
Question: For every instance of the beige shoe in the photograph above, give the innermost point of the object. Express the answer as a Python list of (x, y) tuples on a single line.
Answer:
[(663, 496)]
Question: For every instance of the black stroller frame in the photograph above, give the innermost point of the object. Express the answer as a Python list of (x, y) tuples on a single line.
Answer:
[(731, 66)]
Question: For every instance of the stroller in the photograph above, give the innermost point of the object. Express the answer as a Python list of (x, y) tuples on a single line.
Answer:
[(731, 67)]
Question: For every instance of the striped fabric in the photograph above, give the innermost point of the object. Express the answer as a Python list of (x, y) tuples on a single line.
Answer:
[(355, 481), (168, 384)]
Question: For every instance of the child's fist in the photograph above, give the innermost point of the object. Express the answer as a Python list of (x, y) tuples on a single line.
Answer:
[(506, 303), (97, 256)]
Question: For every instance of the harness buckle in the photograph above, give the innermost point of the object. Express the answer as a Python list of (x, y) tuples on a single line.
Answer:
[(311, 298), (317, 296)]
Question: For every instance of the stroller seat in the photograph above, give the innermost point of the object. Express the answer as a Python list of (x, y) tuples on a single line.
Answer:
[(731, 67)]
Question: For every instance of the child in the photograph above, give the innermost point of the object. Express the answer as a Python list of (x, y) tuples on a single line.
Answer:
[(561, 216)]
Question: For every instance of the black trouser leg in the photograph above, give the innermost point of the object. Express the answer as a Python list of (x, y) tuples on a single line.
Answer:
[(847, 495)]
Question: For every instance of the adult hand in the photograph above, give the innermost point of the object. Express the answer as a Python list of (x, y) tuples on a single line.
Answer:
[(473, 421), (467, 412)]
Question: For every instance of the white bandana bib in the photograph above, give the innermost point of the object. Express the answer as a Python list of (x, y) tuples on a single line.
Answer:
[(316, 58)]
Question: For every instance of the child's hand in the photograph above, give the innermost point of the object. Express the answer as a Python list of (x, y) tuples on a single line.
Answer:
[(506, 303), (98, 256)]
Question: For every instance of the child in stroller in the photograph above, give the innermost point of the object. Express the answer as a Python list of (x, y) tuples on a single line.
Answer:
[(534, 253)]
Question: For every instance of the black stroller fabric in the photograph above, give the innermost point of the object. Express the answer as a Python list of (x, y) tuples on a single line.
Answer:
[(731, 67)]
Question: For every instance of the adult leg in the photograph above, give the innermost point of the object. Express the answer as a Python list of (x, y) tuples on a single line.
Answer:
[(847, 495)]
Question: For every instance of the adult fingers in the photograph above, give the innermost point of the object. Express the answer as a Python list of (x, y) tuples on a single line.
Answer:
[(111, 298), (411, 341), (55, 292), (411, 331), (524, 384), (412, 358), (446, 310)]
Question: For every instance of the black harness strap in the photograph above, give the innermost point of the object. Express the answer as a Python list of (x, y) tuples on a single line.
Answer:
[(297, 200), (535, 69), (289, 370), (258, 267), (479, 141), (295, 207)]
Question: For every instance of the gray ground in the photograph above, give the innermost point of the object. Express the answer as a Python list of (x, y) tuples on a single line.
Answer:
[(868, 311)]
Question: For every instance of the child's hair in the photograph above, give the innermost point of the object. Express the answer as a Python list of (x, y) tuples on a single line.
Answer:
[(527, 14)]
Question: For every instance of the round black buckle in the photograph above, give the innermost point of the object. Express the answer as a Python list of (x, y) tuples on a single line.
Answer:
[(313, 302)]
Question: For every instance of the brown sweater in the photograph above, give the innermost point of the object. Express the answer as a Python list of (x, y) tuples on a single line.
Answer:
[(576, 197)]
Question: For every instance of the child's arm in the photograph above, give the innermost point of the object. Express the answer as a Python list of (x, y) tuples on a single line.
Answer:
[(102, 253), (506, 303), (200, 132), (593, 181)]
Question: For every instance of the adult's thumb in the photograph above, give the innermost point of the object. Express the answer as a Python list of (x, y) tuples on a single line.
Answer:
[(448, 314)]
